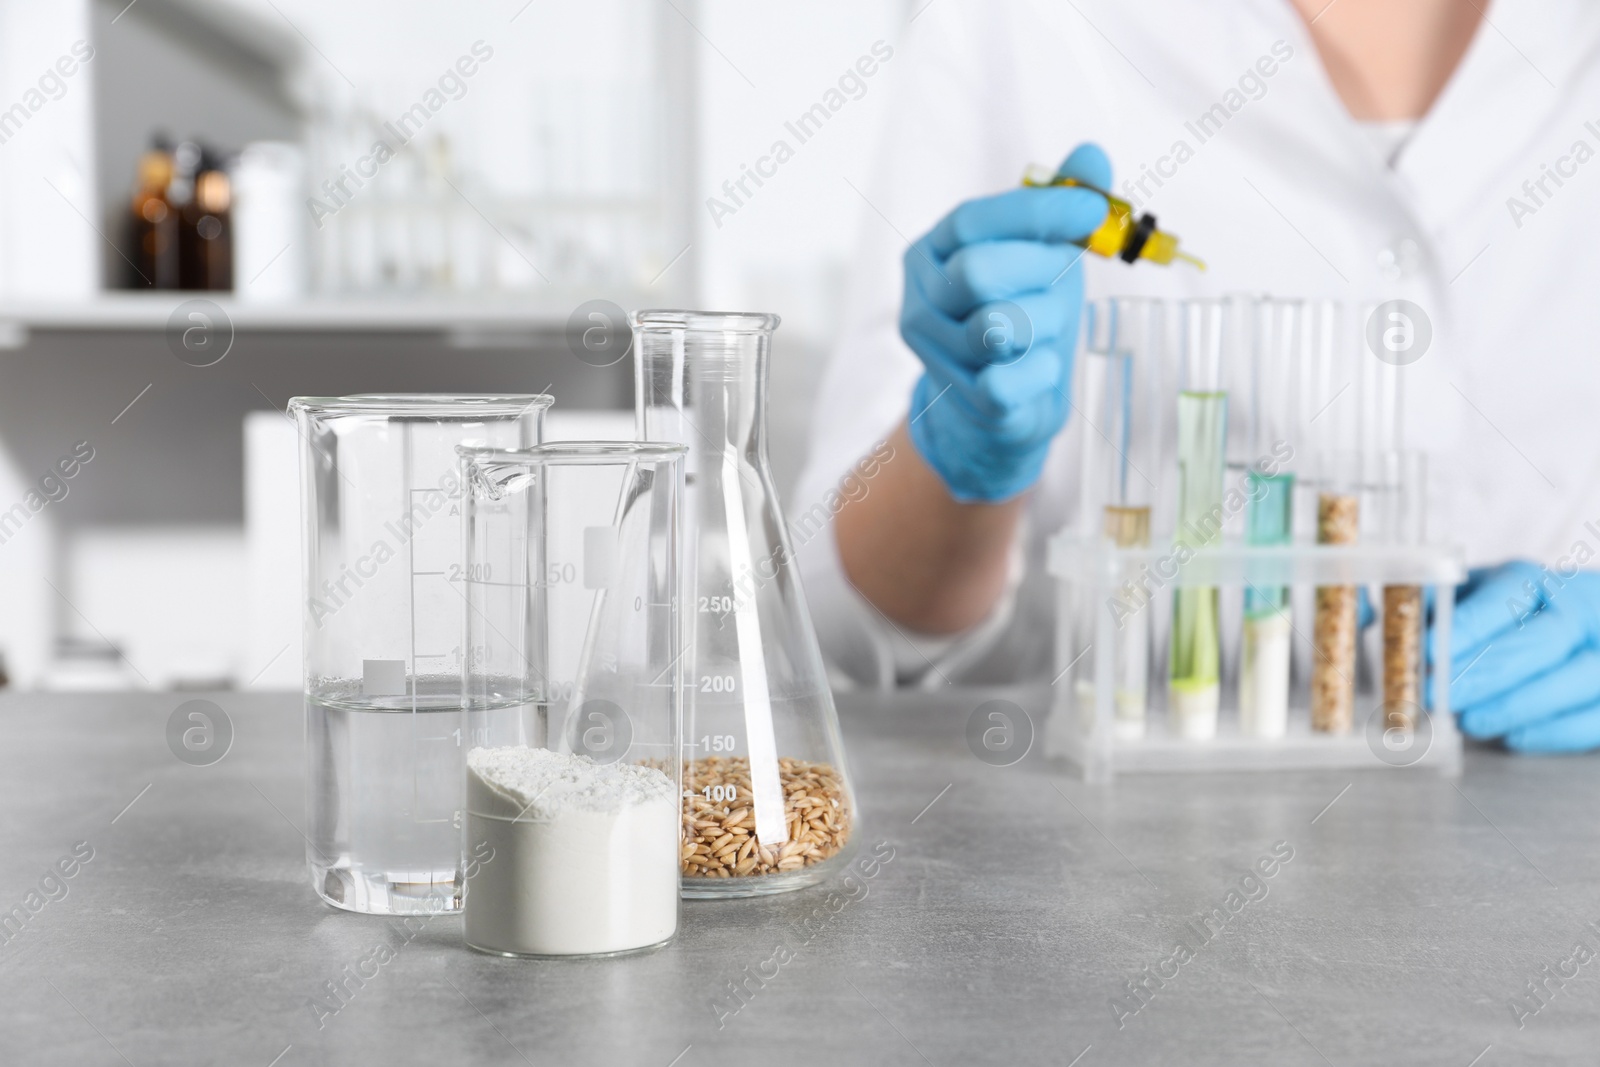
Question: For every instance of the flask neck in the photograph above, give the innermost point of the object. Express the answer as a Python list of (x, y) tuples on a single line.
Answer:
[(705, 391)]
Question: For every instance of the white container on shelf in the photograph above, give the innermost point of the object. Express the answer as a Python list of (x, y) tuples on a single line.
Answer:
[(271, 242), (1120, 583)]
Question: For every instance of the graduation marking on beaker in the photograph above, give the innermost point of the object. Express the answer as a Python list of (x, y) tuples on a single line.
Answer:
[(443, 543)]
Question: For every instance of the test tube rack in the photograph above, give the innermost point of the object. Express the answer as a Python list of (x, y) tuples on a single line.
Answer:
[(1081, 728)]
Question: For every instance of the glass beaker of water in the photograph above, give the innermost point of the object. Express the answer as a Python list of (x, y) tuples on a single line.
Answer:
[(768, 805), (573, 695), (381, 505)]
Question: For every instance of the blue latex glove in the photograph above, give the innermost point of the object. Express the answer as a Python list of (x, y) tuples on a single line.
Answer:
[(1525, 658), (984, 413)]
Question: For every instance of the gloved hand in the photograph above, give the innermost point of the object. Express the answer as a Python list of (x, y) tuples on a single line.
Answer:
[(1525, 658), (992, 299)]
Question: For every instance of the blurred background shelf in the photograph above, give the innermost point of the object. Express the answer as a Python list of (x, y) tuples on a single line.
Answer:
[(574, 164), (462, 317)]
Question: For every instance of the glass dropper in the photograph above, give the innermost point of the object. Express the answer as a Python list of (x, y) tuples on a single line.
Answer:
[(1121, 234)]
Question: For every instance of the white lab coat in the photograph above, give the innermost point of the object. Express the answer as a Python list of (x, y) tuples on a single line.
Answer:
[(1285, 194)]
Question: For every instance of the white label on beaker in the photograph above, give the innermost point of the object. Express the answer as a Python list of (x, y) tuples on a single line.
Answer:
[(599, 557), (383, 677)]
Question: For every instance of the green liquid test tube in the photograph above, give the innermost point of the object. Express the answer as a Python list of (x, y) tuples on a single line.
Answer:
[(1195, 681)]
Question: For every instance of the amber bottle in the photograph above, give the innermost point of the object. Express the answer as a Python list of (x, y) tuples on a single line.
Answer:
[(153, 223), (206, 232)]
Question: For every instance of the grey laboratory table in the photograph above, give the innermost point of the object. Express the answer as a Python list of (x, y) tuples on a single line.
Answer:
[(1014, 915)]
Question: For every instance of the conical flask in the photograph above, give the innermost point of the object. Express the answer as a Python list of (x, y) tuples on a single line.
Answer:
[(767, 800)]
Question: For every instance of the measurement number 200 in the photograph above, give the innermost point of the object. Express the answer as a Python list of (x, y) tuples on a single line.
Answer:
[(716, 683)]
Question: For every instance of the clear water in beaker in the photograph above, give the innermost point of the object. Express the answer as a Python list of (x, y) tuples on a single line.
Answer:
[(381, 501)]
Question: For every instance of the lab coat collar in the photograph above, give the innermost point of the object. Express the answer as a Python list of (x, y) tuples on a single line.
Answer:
[(1524, 65), (1526, 61), (1306, 131)]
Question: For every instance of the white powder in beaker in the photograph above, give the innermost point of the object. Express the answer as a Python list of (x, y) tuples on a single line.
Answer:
[(570, 857)]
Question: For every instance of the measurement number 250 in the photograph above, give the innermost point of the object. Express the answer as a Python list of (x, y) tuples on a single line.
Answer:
[(716, 683)]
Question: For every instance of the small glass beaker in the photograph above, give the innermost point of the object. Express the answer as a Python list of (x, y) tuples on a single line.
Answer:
[(572, 839), (381, 508), (768, 805)]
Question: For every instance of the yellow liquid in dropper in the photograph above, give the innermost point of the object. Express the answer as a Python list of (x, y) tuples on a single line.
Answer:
[(1119, 227)]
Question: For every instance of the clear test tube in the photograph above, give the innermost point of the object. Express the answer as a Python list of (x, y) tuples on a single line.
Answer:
[(1129, 527), (1404, 478), (1333, 638), (1398, 500), (1273, 416), (1139, 328), (1195, 676), (1097, 371), (1339, 464), (1118, 394), (1239, 328), (1124, 360), (1099, 376)]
